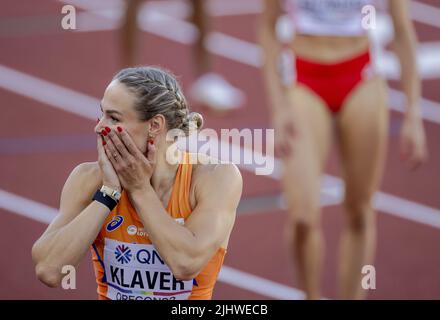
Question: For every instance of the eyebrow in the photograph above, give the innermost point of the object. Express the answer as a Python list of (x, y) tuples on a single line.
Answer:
[(110, 111)]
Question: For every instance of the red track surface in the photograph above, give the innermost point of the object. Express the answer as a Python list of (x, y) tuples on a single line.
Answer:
[(407, 261)]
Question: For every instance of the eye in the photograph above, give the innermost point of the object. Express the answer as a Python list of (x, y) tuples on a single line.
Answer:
[(114, 119)]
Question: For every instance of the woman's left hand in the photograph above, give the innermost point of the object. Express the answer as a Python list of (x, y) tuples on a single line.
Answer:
[(133, 168), (413, 140)]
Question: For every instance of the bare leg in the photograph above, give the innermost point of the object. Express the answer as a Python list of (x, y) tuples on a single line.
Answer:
[(301, 181), (202, 61), (362, 132), (128, 33)]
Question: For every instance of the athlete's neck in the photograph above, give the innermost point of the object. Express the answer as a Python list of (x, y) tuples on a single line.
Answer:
[(164, 172)]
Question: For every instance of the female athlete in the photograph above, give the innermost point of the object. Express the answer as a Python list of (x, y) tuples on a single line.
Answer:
[(335, 93), (158, 228)]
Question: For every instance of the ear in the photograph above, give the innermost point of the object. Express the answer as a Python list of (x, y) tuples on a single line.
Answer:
[(158, 124)]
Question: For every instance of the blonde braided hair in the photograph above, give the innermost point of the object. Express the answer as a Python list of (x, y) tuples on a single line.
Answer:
[(158, 92)]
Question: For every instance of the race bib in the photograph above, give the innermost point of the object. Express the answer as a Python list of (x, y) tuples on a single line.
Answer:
[(137, 272)]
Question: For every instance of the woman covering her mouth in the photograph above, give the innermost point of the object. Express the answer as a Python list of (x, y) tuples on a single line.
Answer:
[(157, 229)]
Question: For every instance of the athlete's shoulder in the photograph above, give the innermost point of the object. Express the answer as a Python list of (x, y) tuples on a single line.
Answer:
[(86, 174), (213, 169), (87, 170)]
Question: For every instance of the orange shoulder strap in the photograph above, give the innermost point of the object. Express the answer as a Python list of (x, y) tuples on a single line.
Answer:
[(179, 202)]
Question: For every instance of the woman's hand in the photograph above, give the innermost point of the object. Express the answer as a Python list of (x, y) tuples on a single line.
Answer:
[(285, 133), (413, 140), (133, 168), (109, 176)]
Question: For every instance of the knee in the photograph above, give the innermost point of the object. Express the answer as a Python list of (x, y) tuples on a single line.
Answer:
[(303, 219), (300, 229), (360, 214), (302, 206)]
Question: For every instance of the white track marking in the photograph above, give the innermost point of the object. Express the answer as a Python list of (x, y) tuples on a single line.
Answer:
[(430, 109), (26, 207), (48, 93), (425, 13), (259, 285), (233, 7), (86, 106)]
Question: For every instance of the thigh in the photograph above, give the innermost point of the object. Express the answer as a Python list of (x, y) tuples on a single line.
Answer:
[(362, 129), (303, 169)]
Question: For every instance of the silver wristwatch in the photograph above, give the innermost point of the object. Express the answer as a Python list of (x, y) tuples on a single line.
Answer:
[(112, 193)]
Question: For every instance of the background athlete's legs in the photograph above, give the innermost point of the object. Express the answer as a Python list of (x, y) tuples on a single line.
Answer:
[(210, 89), (301, 181), (201, 58), (362, 131), (129, 32), (129, 29)]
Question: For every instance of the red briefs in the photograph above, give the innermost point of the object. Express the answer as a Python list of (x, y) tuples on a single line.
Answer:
[(333, 82)]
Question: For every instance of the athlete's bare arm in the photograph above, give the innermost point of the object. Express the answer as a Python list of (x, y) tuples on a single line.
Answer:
[(404, 45), (187, 249), (129, 30), (78, 222), (413, 138), (277, 92), (217, 188), (271, 50), (74, 229), (201, 58)]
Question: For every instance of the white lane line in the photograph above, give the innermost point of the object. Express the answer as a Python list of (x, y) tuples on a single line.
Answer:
[(235, 49), (259, 285), (220, 8), (234, 277), (386, 203), (48, 93), (430, 109), (425, 13), (408, 210), (158, 23), (26, 207), (86, 106)]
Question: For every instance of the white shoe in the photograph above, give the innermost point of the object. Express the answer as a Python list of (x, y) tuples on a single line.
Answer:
[(213, 91)]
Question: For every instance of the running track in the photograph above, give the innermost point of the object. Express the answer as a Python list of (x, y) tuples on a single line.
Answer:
[(50, 81)]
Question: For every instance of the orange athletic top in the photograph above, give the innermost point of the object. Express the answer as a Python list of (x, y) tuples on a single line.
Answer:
[(127, 265)]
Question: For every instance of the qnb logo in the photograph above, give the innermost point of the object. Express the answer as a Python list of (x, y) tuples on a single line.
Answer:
[(123, 254), (115, 223)]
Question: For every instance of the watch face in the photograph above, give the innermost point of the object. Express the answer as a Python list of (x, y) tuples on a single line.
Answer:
[(110, 192), (116, 194)]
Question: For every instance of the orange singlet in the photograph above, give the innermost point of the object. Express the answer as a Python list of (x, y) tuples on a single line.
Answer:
[(127, 265)]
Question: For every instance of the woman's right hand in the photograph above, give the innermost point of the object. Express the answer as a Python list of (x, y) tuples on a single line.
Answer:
[(109, 176)]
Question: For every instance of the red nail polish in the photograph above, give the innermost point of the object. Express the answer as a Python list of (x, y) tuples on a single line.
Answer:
[(104, 133), (104, 143), (119, 129), (107, 129)]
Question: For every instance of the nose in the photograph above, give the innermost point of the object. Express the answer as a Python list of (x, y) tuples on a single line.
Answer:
[(99, 126)]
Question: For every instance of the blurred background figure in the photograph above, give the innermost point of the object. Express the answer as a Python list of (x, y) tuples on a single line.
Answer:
[(330, 88), (210, 89)]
